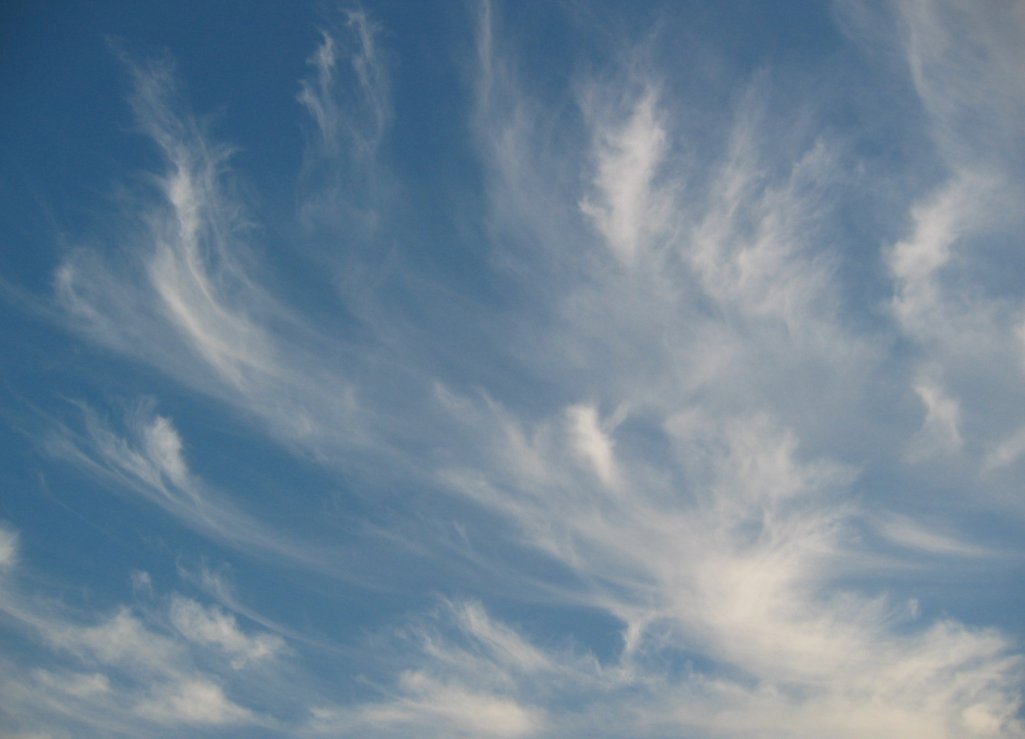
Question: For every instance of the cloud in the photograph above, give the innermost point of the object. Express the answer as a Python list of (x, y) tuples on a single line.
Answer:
[(432, 708), (690, 428), (123, 673), (193, 702), (963, 63), (184, 298), (591, 443), (121, 641), (354, 110), (460, 686), (526, 152), (505, 644), (940, 431), (8, 548), (630, 210), (947, 296), (1006, 452), (146, 459), (911, 534), (343, 188), (735, 542), (213, 627), (454, 680), (315, 94), (754, 247)]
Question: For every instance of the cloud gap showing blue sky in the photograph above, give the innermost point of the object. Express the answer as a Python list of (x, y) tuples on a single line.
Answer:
[(513, 369)]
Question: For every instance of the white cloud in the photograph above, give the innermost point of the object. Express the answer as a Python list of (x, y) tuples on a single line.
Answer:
[(316, 95), (147, 460), (342, 188), (940, 432), (1006, 452), (911, 534), (943, 681), (964, 62), (185, 300), (192, 702), (121, 641), (715, 523), (164, 448), (932, 267), (591, 442), (505, 645), (142, 583), (753, 246), (464, 684), (630, 209), (125, 672), (737, 564), (356, 114), (8, 548), (442, 708), (78, 685), (947, 297), (213, 627), (938, 224)]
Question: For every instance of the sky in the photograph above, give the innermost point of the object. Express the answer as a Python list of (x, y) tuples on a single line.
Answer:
[(513, 369)]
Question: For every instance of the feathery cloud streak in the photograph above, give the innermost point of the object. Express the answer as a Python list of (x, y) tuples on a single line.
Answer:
[(717, 436)]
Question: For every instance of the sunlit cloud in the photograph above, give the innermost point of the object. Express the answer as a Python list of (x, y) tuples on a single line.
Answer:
[(616, 383), (126, 671)]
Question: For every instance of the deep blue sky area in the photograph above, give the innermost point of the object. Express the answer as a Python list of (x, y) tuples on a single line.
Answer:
[(514, 369)]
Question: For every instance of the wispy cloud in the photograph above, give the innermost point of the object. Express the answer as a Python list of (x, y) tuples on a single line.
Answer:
[(348, 97), (630, 211), (126, 672), (212, 627), (456, 665), (8, 548), (940, 432), (699, 428), (431, 707), (348, 93), (462, 679), (193, 702), (912, 534), (946, 296), (146, 459), (738, 540), (186, 300)]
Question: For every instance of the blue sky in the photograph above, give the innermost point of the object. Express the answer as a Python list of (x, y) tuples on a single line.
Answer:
[(512, 369)]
